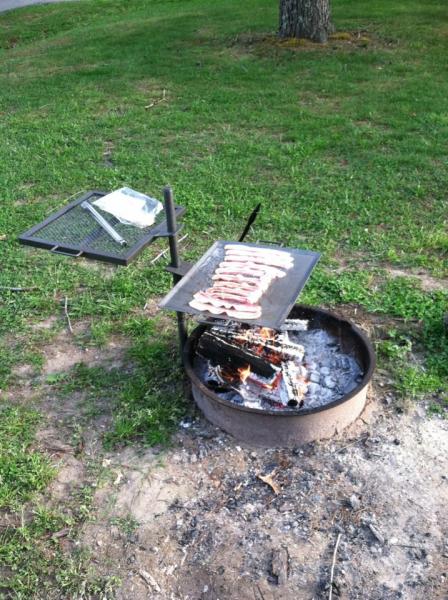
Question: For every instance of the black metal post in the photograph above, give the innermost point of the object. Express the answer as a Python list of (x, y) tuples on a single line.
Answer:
[(171, 223), (250, 220)]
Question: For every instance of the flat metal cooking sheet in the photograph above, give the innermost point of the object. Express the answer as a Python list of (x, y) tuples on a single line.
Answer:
[(276, 301)]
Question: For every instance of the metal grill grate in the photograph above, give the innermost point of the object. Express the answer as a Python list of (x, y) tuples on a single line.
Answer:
[(73, 231)]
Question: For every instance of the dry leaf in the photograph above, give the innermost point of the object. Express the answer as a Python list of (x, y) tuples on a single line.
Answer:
[(268, 479)]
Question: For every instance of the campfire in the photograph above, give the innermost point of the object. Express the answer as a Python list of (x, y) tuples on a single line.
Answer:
[(289, 369)]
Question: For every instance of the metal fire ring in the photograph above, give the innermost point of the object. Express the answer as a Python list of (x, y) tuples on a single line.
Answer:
[(288, 429)]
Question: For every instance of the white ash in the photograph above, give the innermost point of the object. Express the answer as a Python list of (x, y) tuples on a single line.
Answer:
[(332, 372), (294, 325), (320, 373)]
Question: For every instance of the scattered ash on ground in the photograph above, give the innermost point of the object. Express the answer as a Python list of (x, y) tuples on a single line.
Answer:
[(217, 520), (212, 519)]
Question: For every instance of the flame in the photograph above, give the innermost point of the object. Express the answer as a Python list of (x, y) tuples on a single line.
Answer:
[(244, 373), (266, 333)]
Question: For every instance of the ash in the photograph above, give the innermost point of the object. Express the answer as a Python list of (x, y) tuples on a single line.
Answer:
[(332, 373), (320, 373)]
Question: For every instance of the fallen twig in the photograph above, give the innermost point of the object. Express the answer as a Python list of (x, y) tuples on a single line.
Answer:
[(260, 592), (352, 443), (156, 258), (377, 534), (279, 568), (17, 289), (68, 316), (421, 547), (158, 101), (60, 533), (73, 195), (149, 580), (330, 594)]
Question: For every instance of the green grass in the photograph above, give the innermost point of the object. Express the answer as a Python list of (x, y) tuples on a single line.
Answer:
[(152, 400), (345, 146), (23, 470), (32, 562)]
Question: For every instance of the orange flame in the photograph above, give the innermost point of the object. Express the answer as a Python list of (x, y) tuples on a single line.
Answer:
[(266, 333), (244, 373)]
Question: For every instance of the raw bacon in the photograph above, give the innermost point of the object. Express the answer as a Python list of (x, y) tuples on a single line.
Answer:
[(224, 302), (243, 280), (275, 261), (241, 286), (259, 261), (202, 307), (247, 249), (249, 296), (236, 314), (240, 266), (231, 312), (240, 281)]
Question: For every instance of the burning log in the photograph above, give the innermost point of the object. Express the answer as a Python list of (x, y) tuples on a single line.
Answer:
[(256, 362), (272, 345), (295, 381), (227, 354)]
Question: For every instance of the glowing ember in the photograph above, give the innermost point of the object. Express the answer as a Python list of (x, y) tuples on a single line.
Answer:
[(244, 373), (266, 334), (307, 367)]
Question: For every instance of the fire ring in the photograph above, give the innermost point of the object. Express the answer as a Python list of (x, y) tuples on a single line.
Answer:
[(272, 428)]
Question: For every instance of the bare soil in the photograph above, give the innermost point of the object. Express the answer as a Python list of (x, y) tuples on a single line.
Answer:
[(196, 522), (209, 528)]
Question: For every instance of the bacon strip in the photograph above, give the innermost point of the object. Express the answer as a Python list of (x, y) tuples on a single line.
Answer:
[(255, 268), (235, 312), (245, 295), (259, 251), (274, 261), (241, 286), (241, 279), (202, 307), (226, 302)]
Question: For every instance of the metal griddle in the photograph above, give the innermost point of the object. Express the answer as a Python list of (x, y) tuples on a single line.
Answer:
[(73, 231), (277, 300)]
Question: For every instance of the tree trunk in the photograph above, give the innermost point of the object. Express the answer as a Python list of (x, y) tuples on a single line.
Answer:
[(308, 19)]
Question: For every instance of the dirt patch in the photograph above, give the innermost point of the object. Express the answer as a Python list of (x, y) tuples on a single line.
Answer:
[(196, 521), (64, 353), (208, 527), (46, 323), (269, 42), (148, 477), (427, 282)]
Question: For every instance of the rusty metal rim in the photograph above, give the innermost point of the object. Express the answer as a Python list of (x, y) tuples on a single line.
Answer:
[(190, 348)]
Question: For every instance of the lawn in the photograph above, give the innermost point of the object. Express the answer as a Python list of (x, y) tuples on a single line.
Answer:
[(345, 146)]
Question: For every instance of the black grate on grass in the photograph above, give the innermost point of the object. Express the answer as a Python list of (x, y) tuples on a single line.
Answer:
[(72, 230)]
